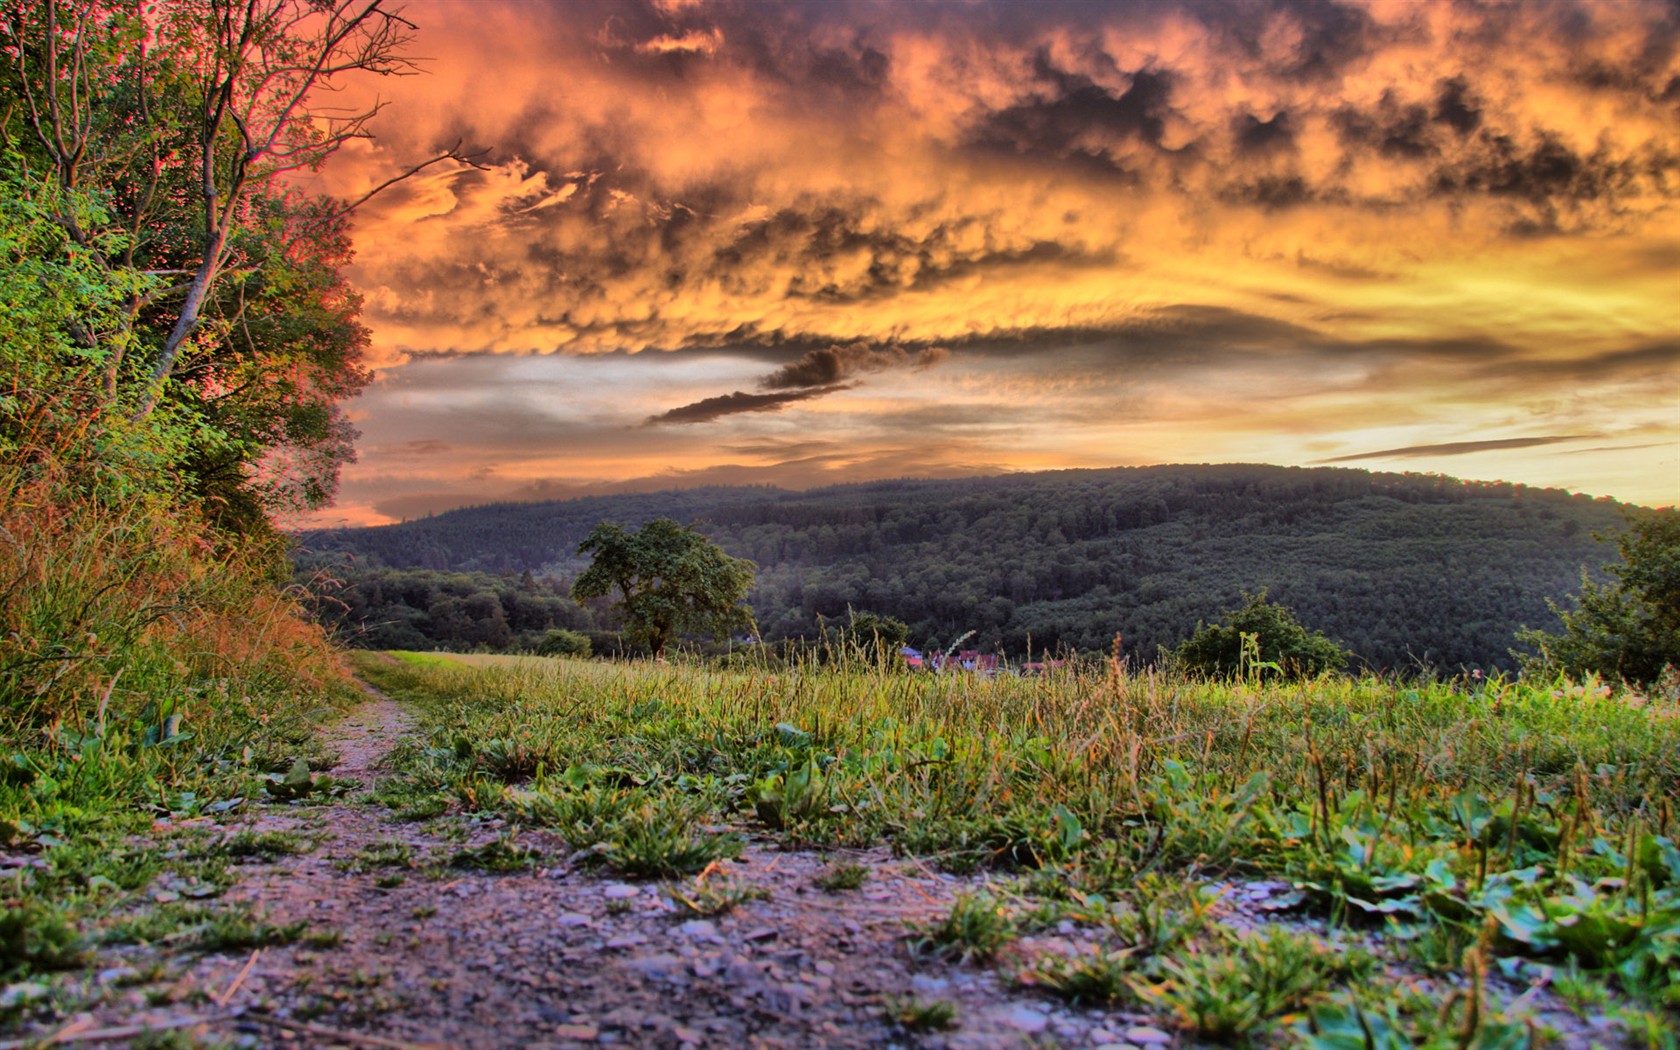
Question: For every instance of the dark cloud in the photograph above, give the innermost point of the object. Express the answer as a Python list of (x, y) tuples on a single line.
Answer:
[(834, 364), (711, 408), (1652, 360), (1455, 108), (1459, 448), (1072, 118), (1254, 135)]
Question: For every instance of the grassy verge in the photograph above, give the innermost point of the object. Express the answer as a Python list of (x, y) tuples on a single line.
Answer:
[(149, 674), (1460, 842)]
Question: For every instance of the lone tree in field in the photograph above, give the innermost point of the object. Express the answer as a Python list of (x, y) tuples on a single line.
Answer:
[(1628, 630), (1261, 638), (670, 579)]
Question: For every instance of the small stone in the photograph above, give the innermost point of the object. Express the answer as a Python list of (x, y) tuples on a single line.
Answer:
[(664, 966), (618, 891), (1144, 1035), (1026, 1019), (583, 1033), (922, 984), (698, 928), (626, 940), (573, 918), (687, 1036), (764, 933)]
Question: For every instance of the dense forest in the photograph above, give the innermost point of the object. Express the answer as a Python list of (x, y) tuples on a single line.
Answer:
[(1407, 571)]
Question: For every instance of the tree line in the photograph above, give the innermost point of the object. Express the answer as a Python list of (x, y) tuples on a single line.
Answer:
[(1405, 571)]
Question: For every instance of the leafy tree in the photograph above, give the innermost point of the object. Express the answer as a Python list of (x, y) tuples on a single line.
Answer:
[(874, 635), (1626, 630), (669, 578), (159, 138), (1262, 637)]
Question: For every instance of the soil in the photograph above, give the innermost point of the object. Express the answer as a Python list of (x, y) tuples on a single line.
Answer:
[(560, 956)]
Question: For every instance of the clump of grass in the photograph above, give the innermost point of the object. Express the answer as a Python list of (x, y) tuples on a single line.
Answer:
[(265, 845), (1236, 990), (976, 927), (501, 855), (709, 896), (37, 937), (237, 930), (841, 876), (379, 855), (920, 1015), (1094, 977)]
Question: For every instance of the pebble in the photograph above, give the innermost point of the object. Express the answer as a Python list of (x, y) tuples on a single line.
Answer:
[(586, 1033), (626, 940), (573, 918), (618, 891), (1144, 1035), (1026, 1019), (698, 928)]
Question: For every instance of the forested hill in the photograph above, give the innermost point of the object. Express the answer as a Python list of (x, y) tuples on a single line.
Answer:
[(1405, 570)]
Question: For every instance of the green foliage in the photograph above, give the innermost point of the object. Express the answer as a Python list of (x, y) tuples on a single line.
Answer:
[(669, 579), (1260, 639), (1627, 629), (920, 1015), (1144, 552), (842, 875), (873, 637), (561, 642), (976, 927)]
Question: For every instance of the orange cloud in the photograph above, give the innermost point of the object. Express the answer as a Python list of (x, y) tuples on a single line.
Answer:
[(1440, 206)]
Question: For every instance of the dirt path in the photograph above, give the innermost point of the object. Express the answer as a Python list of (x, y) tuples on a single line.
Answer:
[(420, 953), (405, 949)]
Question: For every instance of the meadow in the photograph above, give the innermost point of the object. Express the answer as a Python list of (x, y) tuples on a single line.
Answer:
[(1434, 856)]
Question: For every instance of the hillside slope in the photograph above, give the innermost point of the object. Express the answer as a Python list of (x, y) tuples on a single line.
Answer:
[(1406, 570)]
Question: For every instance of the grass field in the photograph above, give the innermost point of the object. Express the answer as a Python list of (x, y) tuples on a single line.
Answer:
[(1515, 835)]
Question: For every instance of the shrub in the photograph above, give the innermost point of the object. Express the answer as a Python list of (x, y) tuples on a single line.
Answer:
[(561, 642), (1262, 638)]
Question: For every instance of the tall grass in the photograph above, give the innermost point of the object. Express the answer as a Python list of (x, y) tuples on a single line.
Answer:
[(149, 667)]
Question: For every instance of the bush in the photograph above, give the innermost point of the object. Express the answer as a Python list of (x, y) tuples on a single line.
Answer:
[(563, 643), (1262, 638), (1628, 630)]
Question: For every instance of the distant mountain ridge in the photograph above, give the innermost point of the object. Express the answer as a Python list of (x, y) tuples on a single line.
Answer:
[(1406, 570)]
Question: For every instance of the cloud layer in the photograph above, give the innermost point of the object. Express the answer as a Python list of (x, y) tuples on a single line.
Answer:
[(1388, 225)]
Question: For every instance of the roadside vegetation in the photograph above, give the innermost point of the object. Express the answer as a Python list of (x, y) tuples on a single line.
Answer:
[(1433, 851), (175, 338)]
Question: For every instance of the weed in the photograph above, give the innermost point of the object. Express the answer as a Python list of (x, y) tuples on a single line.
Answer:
[(974, 929), (842, 875), (921, 1015), (1234, 993), (264, 845), (322, 940), (379, 855), (36, 937), (659, 842), (500, 855), (1092, 977), (706, 896), (235, 931)]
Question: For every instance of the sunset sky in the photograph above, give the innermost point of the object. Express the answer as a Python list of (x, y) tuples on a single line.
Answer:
[(809, 243)]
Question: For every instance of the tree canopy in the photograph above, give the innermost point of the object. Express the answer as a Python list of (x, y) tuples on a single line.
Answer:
[(1262, 638), (210, 329), (670, 579), (1627, 629)]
